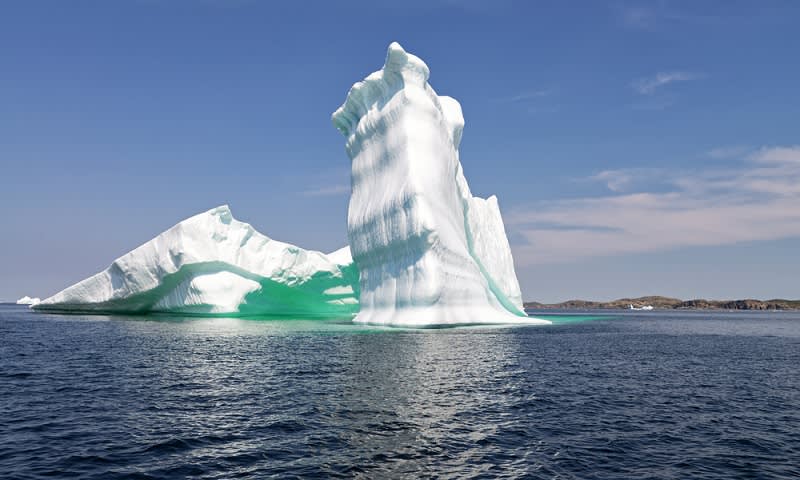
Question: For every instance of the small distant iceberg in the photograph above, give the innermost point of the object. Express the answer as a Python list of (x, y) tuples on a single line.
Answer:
[(26, 300), (213, 264), (646, 308)]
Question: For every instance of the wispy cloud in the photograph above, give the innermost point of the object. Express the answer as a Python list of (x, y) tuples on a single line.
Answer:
[(621, 179), (529, 95), (638, 17), (654, 16), (331, 190), (757, 198), (534, 101), (649, 85), (730, 151), (325, 182), (787, 156)]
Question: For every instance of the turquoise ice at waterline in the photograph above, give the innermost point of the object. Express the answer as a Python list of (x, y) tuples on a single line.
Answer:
[(213, 264)]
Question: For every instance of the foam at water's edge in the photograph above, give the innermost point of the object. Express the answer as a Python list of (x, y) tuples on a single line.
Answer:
[(432, 316)]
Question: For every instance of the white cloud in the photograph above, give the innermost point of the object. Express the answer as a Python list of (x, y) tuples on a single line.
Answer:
[(787, 156), (649, 85), (757, 199)]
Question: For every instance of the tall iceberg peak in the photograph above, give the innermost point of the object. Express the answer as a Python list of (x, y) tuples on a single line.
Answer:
[(213, 264), (399, 69), (428, 252)]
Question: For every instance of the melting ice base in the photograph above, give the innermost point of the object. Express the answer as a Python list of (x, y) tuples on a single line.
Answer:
[(428, 252), (213, 264)]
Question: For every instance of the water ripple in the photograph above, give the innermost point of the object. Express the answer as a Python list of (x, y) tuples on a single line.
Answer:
[(636, 396)]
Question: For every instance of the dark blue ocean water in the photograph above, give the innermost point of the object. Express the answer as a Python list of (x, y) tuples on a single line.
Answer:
[(632, 395)]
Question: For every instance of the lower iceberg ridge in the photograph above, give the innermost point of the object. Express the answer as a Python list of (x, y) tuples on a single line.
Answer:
[(213, 264)]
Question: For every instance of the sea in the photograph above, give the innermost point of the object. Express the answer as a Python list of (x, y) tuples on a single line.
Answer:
[(595, 395)]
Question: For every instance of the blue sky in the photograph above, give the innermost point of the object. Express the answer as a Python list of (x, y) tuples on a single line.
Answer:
[(636, 147)]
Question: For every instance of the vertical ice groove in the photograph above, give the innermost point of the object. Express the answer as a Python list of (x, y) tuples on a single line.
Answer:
[(428, 252)]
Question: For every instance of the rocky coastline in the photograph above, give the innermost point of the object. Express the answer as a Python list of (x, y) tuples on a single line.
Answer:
[(667, 303)]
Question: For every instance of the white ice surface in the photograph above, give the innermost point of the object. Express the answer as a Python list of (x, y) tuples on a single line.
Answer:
[(428, 252), (26, 300), (341, 256), (214, 264)]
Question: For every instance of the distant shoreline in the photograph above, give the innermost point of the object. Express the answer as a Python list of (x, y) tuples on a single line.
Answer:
[(658, 303), (667, 303)]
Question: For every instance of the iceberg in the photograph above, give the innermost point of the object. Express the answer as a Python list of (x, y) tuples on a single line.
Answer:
[(213, 264), (26, 300), (429, 253)]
